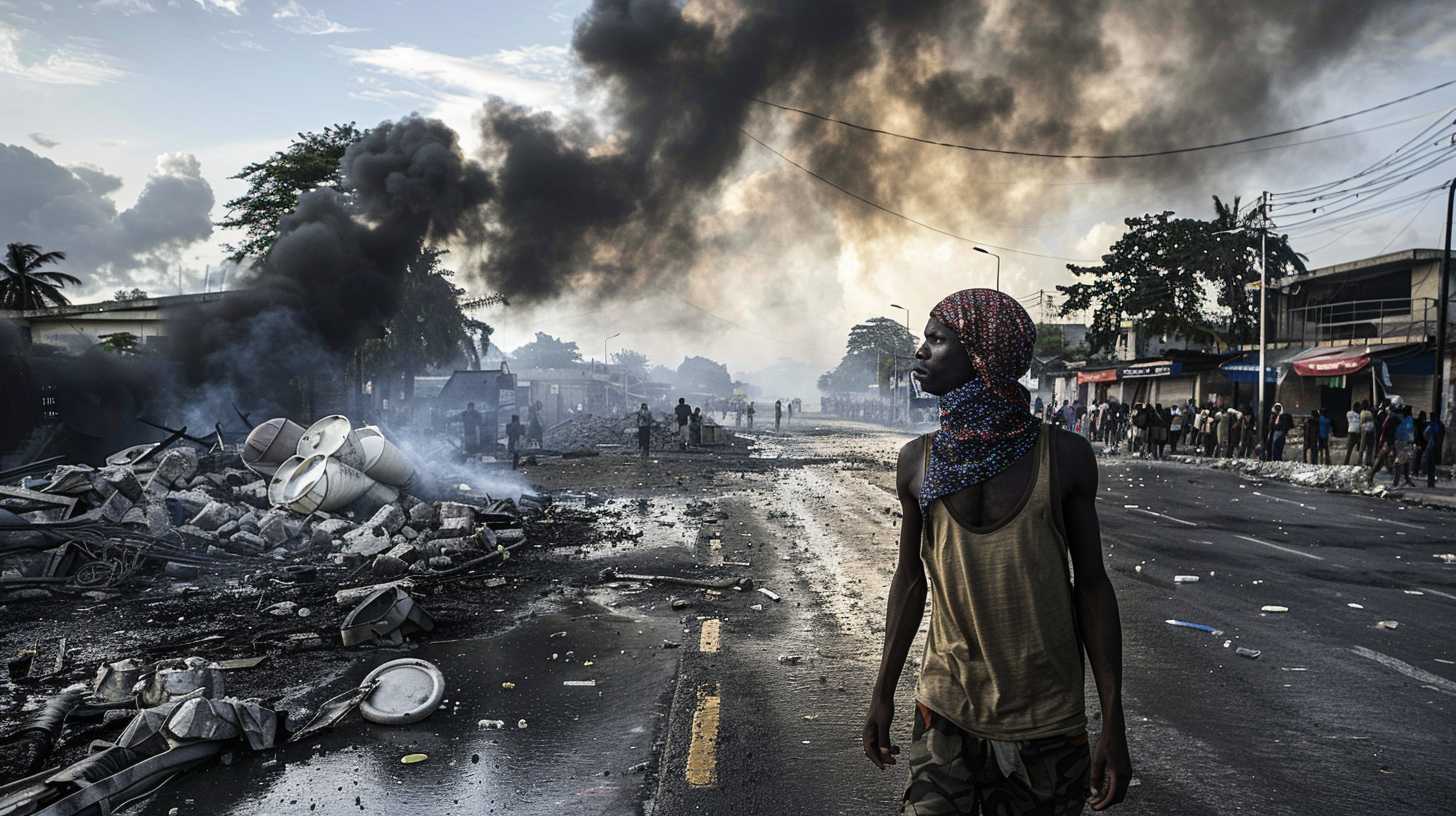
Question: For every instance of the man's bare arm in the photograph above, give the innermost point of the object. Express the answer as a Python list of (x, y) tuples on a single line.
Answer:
[(1097, 617), (904, 611)]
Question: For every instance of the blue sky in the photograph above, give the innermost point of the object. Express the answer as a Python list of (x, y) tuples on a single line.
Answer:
[(175, 93)]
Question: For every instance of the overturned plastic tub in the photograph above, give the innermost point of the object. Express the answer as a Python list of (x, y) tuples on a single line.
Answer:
[(324, 483), (279, 480), (334, 437), (270, 445), (383, 460)]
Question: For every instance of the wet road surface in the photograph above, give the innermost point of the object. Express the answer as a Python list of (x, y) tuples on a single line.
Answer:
[(759, 709)]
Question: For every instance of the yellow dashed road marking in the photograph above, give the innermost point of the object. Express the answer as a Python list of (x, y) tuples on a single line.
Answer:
[(708, 638), (702, 767)]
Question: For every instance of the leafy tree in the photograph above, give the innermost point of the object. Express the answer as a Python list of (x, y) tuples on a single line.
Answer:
[(1161, 273), (429, 329), (127, 295), (633, 362), (701, 375), (24, 285), (547, 352), (869, 355), (122, 343), (662, 374), (309, 162)]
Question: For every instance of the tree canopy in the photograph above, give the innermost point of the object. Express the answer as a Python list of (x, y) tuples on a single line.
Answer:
[(127, 295), (1178, 276), (23, 282), (869, 354), (430, 329), (547, 352), (633, 362), (701, 375), (309, 162)]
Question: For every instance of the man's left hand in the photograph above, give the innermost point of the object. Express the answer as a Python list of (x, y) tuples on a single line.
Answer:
[(1111, 770)]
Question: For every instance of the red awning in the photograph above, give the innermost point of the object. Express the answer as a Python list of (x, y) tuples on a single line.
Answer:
[(1105, 375), (1337, 363)]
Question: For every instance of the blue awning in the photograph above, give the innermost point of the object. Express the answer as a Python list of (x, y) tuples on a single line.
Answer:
[(1242, 369)]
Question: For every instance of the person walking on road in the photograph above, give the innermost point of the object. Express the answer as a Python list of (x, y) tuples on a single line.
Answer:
[(1175, 428), (1402, 445), (1325, 428), (644, 430), (1310, 452), (515, 432), (1419, 454), (1223, 433), (684, 415), (695, 427), (994, 504), (749, 413), (470, 422), (1368, 430), (1280, 424), (1352, 432), (778, 415), (1386, 421)]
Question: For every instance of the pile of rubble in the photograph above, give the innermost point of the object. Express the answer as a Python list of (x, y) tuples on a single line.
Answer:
[(587, 431), (1330, 477), (176, 508)]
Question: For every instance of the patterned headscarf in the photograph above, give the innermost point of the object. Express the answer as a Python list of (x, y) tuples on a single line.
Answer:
[(986, 424)]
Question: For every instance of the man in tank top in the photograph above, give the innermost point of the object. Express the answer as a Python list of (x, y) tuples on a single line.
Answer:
[(1000, 532)]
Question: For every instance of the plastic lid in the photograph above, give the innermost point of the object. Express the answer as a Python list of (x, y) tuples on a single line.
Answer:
[(325, 436), (304, 477), (409, 690)]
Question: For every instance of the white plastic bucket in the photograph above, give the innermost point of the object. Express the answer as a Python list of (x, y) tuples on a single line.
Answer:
[(270, 444), (324, 483), (279, 479), (383, 460), (332, 436)]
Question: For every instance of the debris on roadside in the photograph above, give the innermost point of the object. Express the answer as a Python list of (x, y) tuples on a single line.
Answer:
[(1387, 624), (1274, 609), (1244, 651), (1201, 627)]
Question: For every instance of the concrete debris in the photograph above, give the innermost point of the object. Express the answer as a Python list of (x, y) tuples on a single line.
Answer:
[(1387, 624)]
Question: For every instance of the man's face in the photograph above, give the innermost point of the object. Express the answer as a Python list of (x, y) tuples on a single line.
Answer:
[(941, 362)]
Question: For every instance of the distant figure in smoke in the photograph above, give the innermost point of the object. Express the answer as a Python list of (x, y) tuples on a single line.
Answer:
[(749, 412), (514, 431), (684, 415), (644, 430), (778, 415), (738, 414), (470, 421), (535, 432), (995, 504), (695, 426)]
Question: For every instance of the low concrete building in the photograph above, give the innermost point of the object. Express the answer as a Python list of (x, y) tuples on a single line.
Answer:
[(80, 326)]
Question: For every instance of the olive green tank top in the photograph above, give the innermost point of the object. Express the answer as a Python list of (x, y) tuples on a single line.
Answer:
[(1003, 659)]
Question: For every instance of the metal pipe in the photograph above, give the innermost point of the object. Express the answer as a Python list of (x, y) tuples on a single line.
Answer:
[(1433, 451), (1263, 321)]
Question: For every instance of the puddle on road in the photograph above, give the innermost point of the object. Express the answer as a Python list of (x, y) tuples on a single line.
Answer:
[(573, 756)]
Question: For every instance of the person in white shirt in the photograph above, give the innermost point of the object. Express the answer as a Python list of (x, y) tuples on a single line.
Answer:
[(1352, 435)]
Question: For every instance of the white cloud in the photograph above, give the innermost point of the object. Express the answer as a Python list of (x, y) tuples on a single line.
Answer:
[(1097, 240), (234, 7), (127, 7), (534, 75), (74, 63), (237, 40), (292, 16)]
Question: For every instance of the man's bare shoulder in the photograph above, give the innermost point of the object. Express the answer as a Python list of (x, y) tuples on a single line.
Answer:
[(1076, 460)]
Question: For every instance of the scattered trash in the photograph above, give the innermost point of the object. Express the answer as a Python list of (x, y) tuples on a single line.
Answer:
[(770, 594), (1202, 627), (389, 615), (508, 685), (556, 635), (521, 723), (1354, 606), (758, 607), (491, 725), (1448, 558), (1274, 608), (413, 759), (611, 574), (790, 660), (579, 683), (1413, 592), (670, 644), (1252, 654), (639, 768), (1185, 579), (1387, 624)]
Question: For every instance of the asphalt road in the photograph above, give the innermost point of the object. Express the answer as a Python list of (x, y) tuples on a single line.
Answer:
[(730, 702), (1336, 715)]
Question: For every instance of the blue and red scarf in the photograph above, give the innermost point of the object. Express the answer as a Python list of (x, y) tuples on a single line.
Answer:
[(986, 424)]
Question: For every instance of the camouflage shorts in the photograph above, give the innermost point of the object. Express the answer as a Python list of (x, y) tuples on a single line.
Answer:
[(952, 772)]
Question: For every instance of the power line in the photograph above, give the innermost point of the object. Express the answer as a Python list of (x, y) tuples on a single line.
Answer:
[(898, 214), (1414, 216), (1428, 129), (1148, 154)]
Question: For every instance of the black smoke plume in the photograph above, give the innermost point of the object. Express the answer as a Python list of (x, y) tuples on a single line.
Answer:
[(334, 275), (608, 213)]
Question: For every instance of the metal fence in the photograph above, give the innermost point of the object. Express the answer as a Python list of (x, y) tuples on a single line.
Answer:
[(1358, 322)]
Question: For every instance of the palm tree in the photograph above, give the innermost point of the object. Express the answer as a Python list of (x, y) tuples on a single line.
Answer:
[(22, 286)]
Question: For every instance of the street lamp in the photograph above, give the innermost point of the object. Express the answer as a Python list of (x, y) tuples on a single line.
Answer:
[(998, 264), (907, 374), (1263, 321), (605, 361)]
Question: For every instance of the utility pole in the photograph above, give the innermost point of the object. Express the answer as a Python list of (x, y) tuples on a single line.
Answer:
[(1263, 318), (1438, 408)]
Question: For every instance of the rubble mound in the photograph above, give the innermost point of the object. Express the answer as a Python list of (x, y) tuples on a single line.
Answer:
[(585, 431), (1331, 477)]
